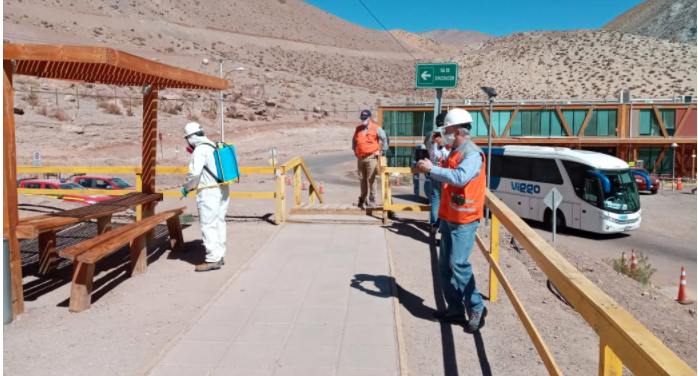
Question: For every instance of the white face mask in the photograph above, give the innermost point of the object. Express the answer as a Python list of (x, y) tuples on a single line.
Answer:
[(449, 139), (365, 122)]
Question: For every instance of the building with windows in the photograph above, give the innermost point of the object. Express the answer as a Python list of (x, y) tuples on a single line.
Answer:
[(641, 131)]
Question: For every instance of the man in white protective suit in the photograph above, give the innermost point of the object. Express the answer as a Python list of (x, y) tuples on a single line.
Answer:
[(211, 199)]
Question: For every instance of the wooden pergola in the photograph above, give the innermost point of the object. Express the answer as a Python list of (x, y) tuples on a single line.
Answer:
[(97, 65)]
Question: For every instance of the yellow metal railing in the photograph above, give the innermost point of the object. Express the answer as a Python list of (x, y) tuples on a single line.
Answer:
[(622, 339), (279, 172)]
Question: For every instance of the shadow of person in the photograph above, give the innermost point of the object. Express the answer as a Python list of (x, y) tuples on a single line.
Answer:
[(412, 303), (193, 252)]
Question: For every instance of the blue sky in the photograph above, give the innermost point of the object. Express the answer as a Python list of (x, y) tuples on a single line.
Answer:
[(492, 17)]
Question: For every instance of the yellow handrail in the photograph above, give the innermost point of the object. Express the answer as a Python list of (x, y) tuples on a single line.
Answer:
[(622, 339), (279, 172)]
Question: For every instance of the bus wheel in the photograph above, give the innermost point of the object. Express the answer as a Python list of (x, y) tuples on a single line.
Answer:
[(560, 219)]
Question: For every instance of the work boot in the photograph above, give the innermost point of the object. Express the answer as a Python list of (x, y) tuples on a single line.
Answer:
[(371, 202), (476, 321), (361, 203), (446, 316), (209, 266)]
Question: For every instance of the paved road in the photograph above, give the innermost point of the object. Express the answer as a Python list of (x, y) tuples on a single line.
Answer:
[(667, 234)]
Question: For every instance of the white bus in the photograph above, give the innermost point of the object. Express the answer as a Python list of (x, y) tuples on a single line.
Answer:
[(599, 193)]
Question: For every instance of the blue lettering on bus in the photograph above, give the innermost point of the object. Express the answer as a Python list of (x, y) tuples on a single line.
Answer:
[(525, 188)]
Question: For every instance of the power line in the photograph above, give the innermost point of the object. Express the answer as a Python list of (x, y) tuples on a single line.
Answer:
[(380, 23)]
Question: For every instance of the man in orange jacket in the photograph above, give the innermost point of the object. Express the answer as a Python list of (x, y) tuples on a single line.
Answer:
[(462, 204), (369, 143)]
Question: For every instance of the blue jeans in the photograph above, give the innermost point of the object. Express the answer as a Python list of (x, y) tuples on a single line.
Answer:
[(435, 200), (457, 280)]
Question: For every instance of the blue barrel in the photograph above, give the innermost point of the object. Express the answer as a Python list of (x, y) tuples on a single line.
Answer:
[(6, 283)]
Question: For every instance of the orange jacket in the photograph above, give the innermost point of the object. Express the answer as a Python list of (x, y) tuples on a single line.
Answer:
[(368, 143), (463, 205)]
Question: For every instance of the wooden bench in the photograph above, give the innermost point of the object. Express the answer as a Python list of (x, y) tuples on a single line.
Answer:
[(45, 226), (86, 254)]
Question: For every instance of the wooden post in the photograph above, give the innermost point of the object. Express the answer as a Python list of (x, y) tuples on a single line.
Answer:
[(297, 185), (81, 288), (104, 224), (311, 195), (494, 252), (174, 227), (139, 261), (9, 192), (609, 364), (47, 252), (149, 151)]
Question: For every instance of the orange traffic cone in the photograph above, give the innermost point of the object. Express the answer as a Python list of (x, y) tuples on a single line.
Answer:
[(682, 288), (305, 185), (633, 260), (322, 190), (678, 184), (397, 181)]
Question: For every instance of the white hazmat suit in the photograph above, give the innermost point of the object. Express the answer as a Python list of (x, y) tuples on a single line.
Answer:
[(212, 202)]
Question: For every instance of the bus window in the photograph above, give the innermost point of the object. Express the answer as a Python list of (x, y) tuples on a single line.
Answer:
[(577, 173), (592, 190)]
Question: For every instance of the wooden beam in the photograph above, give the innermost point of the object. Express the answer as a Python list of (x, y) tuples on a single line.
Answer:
[(683, 119), (486, 115), (533, 333), (563, 121), (103, 57), (659, 159), (9, 191), (586, 121), (511, 121), (655, 108), (149, 151)]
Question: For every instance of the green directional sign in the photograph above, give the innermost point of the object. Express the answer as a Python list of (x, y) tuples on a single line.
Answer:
[(437, 76)]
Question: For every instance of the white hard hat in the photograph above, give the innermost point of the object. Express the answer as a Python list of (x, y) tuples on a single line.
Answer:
[(457, 116), (192, 128)]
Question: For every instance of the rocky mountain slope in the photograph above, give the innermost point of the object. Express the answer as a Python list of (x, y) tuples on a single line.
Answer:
[(673, 20)]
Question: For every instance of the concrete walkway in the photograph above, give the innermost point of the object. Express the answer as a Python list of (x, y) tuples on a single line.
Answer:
[(315, 301)]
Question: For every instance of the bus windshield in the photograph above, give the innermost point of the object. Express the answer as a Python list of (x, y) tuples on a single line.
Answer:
[(623, 196)]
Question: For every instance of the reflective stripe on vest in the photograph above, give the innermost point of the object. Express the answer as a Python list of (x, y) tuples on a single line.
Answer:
[(367, 144), (466, 204)]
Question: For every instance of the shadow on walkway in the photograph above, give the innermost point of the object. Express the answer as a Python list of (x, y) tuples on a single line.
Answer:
[(415, 304)]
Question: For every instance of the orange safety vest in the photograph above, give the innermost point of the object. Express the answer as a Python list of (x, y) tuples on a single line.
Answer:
[(368, 143), (463, 205)]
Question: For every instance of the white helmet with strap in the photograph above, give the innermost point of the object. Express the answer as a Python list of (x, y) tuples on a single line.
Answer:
[(457, 116), (192, 128)]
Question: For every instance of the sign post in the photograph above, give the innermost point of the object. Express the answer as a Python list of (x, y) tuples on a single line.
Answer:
[(436, 76), (272, 160), (37, 158), (553, 200)]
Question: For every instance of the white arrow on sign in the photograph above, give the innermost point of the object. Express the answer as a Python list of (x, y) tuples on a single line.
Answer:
[(425, 75), (553, 199)]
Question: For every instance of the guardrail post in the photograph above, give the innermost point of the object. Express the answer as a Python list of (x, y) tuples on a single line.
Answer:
[(385, 190), (609, 363), (311, 193), (139, 188), (494, 252), (280, 199), (297, 185)]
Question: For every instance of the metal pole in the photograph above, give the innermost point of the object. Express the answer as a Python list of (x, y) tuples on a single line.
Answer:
[(554, 216), (220, 62), (437, 106), (489, 159), (7, 315), (673, 161)]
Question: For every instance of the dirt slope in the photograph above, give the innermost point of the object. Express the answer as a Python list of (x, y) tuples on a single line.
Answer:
[(673, 20)]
